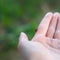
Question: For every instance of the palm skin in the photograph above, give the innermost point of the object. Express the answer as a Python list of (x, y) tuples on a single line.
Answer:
[(45, 43)]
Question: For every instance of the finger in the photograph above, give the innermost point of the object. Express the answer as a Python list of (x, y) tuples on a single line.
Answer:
[(52, 25), (57, 33), (42, 28), (23, 46)]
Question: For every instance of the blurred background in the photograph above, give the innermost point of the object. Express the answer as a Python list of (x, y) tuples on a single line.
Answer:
[(17, 16)]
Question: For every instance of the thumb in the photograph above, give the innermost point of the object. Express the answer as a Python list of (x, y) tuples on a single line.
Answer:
[(23, 40)]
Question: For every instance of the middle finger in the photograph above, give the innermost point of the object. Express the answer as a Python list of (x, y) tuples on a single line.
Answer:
[(52, 26)]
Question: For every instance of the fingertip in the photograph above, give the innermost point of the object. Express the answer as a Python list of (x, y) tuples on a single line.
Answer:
[(23, 36), (49, 14), (56, 14)]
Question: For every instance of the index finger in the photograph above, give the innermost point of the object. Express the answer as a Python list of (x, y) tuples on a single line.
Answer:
[(43, 26)]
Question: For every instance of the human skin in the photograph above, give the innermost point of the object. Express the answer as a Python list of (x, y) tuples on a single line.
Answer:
[(45, 45)]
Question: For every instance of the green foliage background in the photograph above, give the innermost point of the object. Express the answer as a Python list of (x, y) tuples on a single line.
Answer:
[(17, 16)]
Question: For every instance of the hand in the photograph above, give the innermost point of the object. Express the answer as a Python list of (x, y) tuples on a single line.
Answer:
[(44, 45)]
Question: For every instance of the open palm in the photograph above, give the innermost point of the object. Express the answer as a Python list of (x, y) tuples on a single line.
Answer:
[(45, 43)]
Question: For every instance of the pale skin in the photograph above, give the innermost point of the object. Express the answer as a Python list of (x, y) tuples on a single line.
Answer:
[(45, 45)]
